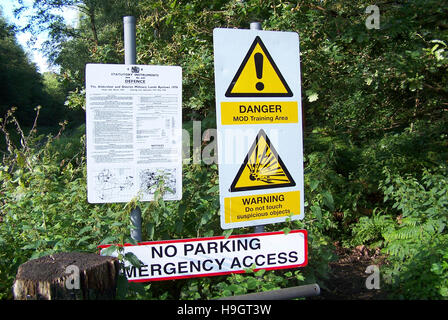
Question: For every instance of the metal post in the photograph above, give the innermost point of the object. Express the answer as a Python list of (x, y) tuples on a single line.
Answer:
[(257, 26), (130, 57), (309, 290), (130, 53), (136, 220)]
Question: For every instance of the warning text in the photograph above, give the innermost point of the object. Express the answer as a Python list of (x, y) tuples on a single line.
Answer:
[(174, 259), (247, 208), (259, 112)]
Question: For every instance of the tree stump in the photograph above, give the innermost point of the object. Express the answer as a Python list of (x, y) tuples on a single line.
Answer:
[(55, 277)]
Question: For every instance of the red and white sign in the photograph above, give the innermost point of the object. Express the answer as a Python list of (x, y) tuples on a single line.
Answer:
[(214, 256)]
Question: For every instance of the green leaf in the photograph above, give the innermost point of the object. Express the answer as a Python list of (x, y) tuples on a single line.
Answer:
[(132, 258), (317, 212), (108, 251), (83, 239), (150, 227), (33, 245), (227, 233), (444, 291), (437, 268), (314, 184), (252, 283), (328, 200), (250, 269), (312, 95), (161, 202), (213, 189), (84, 230), (233, 287), (260, 273), (108, 240)]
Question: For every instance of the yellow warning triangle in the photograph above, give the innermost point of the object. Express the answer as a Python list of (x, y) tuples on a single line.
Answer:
[(262, 168), (258, 75)]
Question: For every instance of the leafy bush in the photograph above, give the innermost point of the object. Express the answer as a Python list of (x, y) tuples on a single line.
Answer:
[(417, 244), (412, 234), (43, 203), (44, 210), (370, 230)]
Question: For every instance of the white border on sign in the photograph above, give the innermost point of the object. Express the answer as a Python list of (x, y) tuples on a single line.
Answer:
[(142, 250)]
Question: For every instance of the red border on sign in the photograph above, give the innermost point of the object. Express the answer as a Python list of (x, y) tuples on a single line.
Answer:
[(304, 232)]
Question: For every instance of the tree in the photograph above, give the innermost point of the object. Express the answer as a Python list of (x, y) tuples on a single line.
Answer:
[(21, 83), (94, 39)]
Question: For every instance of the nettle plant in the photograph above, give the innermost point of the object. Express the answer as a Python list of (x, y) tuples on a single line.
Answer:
[(44, 210), (43, 206), (412, 234)]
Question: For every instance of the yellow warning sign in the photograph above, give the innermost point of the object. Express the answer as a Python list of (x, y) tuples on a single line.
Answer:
[(265, 206), (259, 112), (262, 168), (258, 75)]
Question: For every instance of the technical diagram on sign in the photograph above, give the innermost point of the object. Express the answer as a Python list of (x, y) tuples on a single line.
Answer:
[(262, 168), (258, 75), (150, 179), (113, 183)]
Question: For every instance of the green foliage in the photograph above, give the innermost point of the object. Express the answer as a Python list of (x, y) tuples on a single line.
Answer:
[(24, 88), (44, 210), (375, 139), (43, 207), (371, 229), (21, 83), (413, 234)]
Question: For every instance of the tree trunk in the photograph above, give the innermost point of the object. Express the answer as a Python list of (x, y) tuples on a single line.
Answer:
[(56, 277), (93, 24)]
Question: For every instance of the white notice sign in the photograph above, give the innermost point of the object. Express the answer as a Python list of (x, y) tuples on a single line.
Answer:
[(259, 124), (214, 256), (133, 132)]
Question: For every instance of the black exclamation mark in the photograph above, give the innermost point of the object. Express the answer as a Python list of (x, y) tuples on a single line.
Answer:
[(258, 57)]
